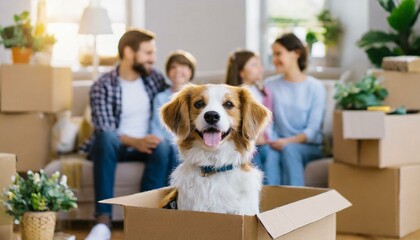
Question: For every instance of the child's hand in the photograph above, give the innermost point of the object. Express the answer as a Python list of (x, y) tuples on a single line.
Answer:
[(279, 144), (261, 140)]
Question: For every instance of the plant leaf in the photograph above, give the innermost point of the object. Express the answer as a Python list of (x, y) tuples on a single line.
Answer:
[(377, 54), (376, 37), (388, 5), (415, 47), (402, 17)]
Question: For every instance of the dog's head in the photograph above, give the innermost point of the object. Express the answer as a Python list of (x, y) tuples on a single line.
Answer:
[(210, 116)]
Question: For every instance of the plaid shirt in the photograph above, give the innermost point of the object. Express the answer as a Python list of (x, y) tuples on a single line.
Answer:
[(106, 104)]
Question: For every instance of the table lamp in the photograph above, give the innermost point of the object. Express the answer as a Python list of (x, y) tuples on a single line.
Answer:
[(95, 21)]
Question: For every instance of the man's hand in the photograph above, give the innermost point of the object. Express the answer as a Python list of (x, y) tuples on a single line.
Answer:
[(279, 144), (144, 145), (147, 144)]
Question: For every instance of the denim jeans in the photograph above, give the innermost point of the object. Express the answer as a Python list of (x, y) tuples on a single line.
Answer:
[(173, 156), (107, 151), (287, 167), (259, 159)]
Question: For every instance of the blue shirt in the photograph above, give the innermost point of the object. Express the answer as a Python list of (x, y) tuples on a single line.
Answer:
[(156, 126), (298, 107)]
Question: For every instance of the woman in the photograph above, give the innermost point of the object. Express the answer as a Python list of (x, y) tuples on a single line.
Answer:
[(298, 109), (180, 68), (244, 68)]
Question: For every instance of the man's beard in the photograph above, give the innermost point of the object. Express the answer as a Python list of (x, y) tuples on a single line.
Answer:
[(140, 68)]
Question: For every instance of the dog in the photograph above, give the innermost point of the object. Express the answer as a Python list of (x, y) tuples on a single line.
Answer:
[(216, 127)]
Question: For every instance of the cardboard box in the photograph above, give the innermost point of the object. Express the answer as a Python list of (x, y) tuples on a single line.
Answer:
[(374, 139), (28, 135), (35, 88), (286, 213), (403, 88), (385, 202), (401, 63), (7, 169)]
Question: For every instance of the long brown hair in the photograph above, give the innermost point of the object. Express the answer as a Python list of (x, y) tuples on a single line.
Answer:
[(292, 43), (235, 65)]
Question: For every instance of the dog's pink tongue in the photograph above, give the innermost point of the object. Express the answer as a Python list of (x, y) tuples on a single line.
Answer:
[(212, 138)]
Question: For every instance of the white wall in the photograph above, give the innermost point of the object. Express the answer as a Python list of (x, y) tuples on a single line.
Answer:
[(353, 15), (209, 29)]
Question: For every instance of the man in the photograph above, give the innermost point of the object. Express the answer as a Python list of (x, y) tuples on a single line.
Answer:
[(121, 103)]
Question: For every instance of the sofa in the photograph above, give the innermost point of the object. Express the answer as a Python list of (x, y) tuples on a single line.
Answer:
[(129, 174)]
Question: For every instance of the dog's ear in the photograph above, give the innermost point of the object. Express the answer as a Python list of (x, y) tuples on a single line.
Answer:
[(176, 114), (254, 115)]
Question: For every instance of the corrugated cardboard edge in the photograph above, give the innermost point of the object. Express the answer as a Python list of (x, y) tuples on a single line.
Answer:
[(134, 200), (363, 125), (284, 219)]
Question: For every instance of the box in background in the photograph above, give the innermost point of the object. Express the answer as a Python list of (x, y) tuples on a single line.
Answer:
[(7, 169), (28, 135), (401, 63), (386, 202), (286, 213), (35, 88), (403, 88), (374, 139)]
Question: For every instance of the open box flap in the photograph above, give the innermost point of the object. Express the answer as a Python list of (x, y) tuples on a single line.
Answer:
[(144, 199), (284, 219), (363, 125)]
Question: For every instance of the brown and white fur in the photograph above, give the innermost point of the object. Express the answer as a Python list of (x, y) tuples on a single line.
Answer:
[(216, 125)]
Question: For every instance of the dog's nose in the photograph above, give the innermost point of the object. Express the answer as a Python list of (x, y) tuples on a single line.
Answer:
[(211, 117)]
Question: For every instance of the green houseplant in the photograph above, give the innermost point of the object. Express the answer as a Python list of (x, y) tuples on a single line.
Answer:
[(19, 34), (360, 95), (18, 37), (401, 40), (328, 32), (35, 199)]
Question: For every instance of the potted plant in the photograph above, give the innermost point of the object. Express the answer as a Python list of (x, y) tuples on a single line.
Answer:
[(18, 37), (42, 44), (34, 201), (401, 40), (360, 95), (328, 31)]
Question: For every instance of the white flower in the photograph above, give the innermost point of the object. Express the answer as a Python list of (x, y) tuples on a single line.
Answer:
[(63, 181), (41, 171), (56, 175), (37, 178), (13, 178), (30, 172), (16, 222), (10, 195)]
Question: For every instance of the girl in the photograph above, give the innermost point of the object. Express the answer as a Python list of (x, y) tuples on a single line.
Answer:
[(244, 68)]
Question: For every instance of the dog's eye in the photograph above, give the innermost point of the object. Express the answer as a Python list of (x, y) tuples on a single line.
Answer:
[(228, 105), (199, 104)]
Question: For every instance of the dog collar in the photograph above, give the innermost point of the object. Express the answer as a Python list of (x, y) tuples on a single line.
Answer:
[(208, 170)]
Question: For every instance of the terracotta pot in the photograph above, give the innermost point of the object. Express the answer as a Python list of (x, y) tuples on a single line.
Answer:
[(38, 225), (21, 55)]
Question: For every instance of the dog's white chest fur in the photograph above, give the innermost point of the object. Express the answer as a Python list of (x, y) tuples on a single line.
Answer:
[(235, 191)]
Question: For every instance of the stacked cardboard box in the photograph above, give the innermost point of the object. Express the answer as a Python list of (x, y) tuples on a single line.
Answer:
[(29, 96), (7, 169), (377, 163)]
